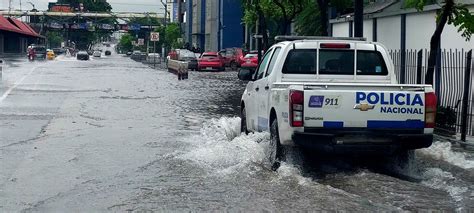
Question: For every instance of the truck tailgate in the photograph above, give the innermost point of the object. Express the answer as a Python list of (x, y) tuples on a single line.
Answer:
[(384, 108)]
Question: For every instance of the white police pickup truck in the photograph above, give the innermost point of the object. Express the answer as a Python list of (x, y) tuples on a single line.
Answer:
[(335, 95)]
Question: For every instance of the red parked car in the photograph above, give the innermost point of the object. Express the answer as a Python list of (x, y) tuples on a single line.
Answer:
[(211, 61), (250, 60), (232, 57)]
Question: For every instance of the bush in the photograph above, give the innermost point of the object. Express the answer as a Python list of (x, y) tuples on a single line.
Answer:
[(446, 118)]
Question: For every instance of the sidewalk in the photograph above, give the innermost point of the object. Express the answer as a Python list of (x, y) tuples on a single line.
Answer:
[(469, 144)]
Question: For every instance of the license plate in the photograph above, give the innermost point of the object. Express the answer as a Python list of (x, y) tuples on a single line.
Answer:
[(248, 62), (208, 68)]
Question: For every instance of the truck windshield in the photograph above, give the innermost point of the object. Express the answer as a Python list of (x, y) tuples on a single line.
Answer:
[(334, 62)]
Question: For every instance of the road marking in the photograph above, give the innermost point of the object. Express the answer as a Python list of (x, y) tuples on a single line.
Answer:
[(5, 95)]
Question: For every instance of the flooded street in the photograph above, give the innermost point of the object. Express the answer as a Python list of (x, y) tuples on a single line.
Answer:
[(112, 134)]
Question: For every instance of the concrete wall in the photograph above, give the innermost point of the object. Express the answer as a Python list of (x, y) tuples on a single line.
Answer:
[(388, 32), (452, 39), (340, 29), (368, 29), (419, 29), (212, 25)]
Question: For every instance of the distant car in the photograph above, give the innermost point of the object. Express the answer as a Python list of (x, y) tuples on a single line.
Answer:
[(153, 58), (187, 56), (97, 53), (232, 57), (50, 54), (90, 52), (129, 53), (37, 52), (210, 61), (108, 52), (59, 51), (250, 60), (136, 55), (82, 55)]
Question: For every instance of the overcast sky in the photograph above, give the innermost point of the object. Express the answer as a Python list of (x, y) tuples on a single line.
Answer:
[(117, 5)]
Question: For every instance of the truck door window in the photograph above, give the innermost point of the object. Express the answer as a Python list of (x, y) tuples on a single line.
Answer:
[(300, 61), (273, 61), (370, 63), (336, 62), (263, 64)]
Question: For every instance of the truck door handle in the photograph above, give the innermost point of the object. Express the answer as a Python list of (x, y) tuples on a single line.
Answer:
[(256, 89), (267, 87)]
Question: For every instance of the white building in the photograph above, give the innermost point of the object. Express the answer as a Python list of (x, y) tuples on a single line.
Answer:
[(388, 22)]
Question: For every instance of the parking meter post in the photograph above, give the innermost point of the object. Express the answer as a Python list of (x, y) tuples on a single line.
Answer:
[(154, 56)]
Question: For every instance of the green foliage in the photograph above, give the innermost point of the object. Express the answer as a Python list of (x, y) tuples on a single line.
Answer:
[(270, 10), (460, 16), (172, 33), (307, 23), (446, 118), (417, 4), (125, 43), (90, 5), (146, 21), (463, 20), (84, 38), (54, 39)]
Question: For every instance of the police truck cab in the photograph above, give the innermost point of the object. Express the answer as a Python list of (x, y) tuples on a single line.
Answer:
[(335, 95)]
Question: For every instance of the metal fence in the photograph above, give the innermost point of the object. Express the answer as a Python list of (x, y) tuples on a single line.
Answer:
[(449, 83)]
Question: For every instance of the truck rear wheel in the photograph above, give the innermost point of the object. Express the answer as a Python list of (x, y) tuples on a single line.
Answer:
[(404, 161), (275, 149)]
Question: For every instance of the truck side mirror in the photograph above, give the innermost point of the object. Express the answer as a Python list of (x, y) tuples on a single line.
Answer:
[(245, 74)]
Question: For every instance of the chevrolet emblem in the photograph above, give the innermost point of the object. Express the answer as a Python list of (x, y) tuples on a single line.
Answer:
[(364, 107)]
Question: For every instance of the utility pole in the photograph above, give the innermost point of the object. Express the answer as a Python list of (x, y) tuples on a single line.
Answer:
[(9, 6), (358, 18)]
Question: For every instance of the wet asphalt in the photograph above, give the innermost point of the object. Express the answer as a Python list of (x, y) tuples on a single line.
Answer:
[(112, 134)]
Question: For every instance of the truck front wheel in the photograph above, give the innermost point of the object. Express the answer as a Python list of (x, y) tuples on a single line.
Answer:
[(243, 121), (275, 150)]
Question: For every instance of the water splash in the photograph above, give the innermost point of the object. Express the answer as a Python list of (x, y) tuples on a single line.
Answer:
[(442, 180), (442, 151)]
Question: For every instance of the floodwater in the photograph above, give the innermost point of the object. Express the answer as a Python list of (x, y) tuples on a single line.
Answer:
[(111, 134)]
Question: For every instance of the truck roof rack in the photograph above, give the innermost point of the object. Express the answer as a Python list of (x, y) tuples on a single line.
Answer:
[(293, 38)]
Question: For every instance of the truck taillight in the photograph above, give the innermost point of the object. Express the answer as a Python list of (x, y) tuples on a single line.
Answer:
[(296, 108), (430, 110)]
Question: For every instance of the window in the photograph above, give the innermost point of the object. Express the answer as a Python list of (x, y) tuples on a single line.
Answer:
[(300, 61), (209, 56), (263, 64), (370, 63), (336, 62), (273, 61)]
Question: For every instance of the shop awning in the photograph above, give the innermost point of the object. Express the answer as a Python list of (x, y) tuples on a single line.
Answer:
[(17, 26)]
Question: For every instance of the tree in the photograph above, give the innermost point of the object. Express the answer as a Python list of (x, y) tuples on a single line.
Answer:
[(308, 22), (125, 42), (84, 38), (54, 39), (323, 5), (89, 5), (450, 13), (289, 10), (172, 33)]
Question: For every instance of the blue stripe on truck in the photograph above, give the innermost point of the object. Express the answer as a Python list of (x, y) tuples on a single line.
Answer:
[(408, 124), (333, 124)]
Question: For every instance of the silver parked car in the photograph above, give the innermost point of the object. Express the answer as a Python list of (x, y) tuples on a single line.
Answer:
[(97, 53), (153, 58)]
